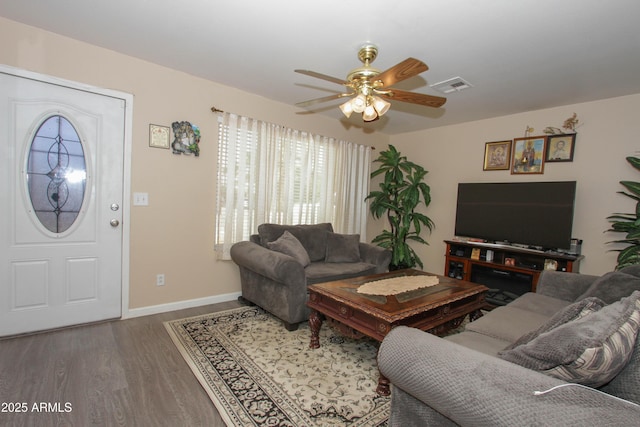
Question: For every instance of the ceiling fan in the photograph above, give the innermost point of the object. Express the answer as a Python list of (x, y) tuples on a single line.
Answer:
[(372, 89)]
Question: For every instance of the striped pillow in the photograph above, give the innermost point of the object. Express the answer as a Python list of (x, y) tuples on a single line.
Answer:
[(590, 350)]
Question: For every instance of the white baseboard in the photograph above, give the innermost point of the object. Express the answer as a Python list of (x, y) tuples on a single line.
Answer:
[(179, 305)]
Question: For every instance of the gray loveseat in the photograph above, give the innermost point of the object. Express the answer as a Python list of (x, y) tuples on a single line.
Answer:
[(279, 262), (517, 365)]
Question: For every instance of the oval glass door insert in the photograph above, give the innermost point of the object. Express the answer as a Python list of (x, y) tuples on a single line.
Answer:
[(56, 174)]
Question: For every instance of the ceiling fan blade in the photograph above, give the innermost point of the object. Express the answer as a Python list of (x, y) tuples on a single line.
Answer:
[(408, 68), (323, 77), (324, 99), (413, 98)]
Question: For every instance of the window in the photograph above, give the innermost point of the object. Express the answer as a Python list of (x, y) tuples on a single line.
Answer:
[(56, 174), (269, 173)]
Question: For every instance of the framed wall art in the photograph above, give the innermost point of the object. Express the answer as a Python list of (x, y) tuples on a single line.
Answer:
[(497, 156), (159, 136), (528, 155), (186, 138), (560, 147)]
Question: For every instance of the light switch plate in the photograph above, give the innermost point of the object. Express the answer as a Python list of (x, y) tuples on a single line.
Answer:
[(140, 199)]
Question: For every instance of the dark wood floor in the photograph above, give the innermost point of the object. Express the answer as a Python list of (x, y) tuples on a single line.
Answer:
[(125, 372)]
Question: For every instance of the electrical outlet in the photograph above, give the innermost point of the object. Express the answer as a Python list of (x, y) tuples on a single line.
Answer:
[(160, 280)]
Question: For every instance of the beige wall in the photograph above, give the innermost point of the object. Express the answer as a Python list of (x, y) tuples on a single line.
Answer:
[(607, 133), (174, 234)]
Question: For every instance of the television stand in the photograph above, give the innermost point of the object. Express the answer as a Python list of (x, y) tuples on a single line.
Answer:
[(508, 270)]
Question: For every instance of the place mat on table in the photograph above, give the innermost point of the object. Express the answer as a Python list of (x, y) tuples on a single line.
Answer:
[(397, 285)]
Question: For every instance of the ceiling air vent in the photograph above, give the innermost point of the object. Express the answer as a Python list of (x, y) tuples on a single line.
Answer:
[(455, 84)]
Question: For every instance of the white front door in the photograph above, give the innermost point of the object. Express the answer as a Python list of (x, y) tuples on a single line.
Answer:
[(61, 204)]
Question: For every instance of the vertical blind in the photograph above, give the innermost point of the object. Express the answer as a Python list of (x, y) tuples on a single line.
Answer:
[(270, 173)]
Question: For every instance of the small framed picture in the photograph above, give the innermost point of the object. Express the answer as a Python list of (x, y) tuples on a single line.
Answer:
[(528, 155), (550, 264), (497, 155), (159, 136), (511, 262), (560, 147)]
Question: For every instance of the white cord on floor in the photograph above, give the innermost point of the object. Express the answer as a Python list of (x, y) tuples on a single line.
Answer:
[(540, 393)]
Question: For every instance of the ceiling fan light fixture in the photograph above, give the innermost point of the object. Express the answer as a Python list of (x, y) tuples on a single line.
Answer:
[(381, 105), (369, 113), (347, 108), (371, 86), (359, 103)]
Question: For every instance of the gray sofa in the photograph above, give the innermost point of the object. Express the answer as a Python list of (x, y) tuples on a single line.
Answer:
[(518, 364), (279, 262)]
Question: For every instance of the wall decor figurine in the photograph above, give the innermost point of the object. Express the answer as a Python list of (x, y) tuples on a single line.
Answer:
[(186, 138), (570, 124), (528, 131), (550, 130)]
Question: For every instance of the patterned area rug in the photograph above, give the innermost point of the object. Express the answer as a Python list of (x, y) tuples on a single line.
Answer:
[(259, 374)]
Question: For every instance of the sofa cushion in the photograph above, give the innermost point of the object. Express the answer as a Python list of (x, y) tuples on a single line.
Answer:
[(591, 350), (507, 323), (342, 248), (318, 272), (571, 312), (612, 286), (539, 303), (478, 342), (289, 245), (312, 236)]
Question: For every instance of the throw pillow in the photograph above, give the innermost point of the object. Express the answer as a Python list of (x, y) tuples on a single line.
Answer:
[(612, 286), (571, 312), (591, 350), (342, 248), (633, 270), (313, 237), (625, 384), (289, 245)]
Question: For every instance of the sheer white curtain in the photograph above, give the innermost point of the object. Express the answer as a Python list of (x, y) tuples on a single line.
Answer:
[(269, 173)]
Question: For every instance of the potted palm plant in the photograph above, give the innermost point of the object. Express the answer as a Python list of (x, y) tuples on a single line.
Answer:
[(628, 223), (400, 193)]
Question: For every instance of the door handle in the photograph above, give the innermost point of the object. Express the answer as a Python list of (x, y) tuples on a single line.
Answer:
[(114, 222)]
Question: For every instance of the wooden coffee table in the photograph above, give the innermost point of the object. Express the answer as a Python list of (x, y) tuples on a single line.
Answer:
[(435, 309)]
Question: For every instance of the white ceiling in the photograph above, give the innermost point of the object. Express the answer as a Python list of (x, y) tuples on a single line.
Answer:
[(519, 55)]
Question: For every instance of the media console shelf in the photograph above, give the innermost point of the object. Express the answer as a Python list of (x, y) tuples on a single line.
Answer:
[(511, 269)]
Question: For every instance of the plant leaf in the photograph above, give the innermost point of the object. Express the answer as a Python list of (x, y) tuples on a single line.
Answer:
[(634, 161), (632, 186), (629, 195)]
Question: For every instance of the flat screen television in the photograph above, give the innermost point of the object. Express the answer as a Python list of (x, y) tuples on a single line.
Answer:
[(536, 214)]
